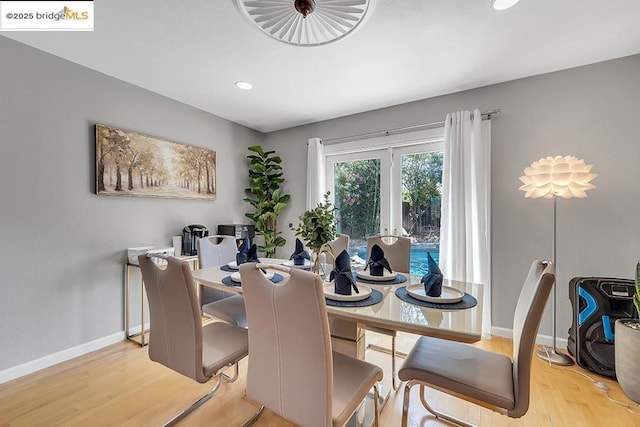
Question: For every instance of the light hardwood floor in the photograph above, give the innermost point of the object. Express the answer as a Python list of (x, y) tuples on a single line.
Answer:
[(120, 386)]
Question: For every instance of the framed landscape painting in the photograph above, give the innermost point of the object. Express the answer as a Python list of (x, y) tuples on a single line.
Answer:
[(133, 164)]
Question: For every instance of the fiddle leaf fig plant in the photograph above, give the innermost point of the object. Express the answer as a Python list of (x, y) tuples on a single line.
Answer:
[(266, 197), (317, 227)]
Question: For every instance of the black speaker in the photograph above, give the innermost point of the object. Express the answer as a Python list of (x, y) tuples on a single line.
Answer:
[(597, 303)]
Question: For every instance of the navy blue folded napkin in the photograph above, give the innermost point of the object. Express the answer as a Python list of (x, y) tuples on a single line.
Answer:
[(299, 255), (433, 279), (342, 276), (241, 256), (377, 262), (252, 254)]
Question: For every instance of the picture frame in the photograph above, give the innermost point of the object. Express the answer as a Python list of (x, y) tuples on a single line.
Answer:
[(132, 164)]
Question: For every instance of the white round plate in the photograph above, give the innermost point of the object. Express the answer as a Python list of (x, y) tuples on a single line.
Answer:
[(386, 276), (307, 264), (329, 288), (449, 295), (236, 276), (233, 265)]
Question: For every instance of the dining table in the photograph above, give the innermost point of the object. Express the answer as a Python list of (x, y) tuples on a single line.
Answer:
[(390, 315)]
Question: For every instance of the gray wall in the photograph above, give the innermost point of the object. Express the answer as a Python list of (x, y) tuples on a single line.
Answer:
[(592, 112), (63, 247)]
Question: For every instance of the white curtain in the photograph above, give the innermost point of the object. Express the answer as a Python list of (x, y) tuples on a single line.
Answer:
[(465, 234), (315, 173)]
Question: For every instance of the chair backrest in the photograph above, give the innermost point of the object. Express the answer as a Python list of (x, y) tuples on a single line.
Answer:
[(341, 243), (212, 254), (291, 367), (175, 338), (529, 309), (397, 252)]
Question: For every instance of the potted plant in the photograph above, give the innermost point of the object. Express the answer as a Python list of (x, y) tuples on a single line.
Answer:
[(627, 348), (317, 227), (265, 178)]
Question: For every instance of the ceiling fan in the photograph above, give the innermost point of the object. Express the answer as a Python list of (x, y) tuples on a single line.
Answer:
[(306, 22)]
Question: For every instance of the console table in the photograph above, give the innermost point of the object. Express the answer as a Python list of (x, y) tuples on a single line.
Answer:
[(141, 337)]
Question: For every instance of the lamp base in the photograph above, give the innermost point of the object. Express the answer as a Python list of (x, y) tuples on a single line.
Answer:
[(550, 355)]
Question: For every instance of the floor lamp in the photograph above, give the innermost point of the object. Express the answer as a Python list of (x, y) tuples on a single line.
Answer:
[(553, 177)]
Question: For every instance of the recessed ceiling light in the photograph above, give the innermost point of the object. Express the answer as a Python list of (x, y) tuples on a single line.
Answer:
[(243, 85), (503, 4)]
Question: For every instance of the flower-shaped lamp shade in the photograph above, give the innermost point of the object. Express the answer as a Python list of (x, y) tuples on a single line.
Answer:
[(562, 176)]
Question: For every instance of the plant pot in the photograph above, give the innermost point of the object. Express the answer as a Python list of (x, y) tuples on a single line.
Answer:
[(627, 347)]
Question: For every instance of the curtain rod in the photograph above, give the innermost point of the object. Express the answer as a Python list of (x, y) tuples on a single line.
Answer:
[(386, 132)]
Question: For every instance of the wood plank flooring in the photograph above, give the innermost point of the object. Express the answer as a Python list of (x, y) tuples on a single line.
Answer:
[(120, 386)]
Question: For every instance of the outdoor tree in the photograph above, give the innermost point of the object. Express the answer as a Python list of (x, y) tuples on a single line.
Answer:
[(421, 182), (357, 197)]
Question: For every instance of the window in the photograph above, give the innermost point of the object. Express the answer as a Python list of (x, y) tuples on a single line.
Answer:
[(391, 186)]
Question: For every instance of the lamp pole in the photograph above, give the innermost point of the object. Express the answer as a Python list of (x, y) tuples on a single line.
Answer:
[(552, 355), (553, 177)]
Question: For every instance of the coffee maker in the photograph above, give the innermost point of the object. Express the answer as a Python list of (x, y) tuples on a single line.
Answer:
[(190, 236)]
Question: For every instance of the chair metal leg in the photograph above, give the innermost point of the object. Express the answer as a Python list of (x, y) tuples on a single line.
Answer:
[(254, 417), (393, 363), (442, 415), (386, 350), (423, 399), (235, 374), (393, 354), (405, 402), (376, 406), (173, 421)]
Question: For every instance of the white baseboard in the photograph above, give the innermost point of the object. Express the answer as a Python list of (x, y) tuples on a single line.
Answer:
[(540, 339), (61, 356), (136, 329), (64, 355)]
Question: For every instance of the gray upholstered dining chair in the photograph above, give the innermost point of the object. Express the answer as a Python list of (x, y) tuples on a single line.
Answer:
[(221, 305), (292, 369), (339, 244), (397, 250), (488, 379), (177, 338), (335, 247)]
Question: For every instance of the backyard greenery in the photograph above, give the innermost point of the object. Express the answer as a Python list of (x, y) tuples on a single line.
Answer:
[(357, 186), (422, 188), (358, 197)]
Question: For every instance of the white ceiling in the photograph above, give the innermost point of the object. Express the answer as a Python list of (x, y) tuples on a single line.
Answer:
[(193, 51)]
